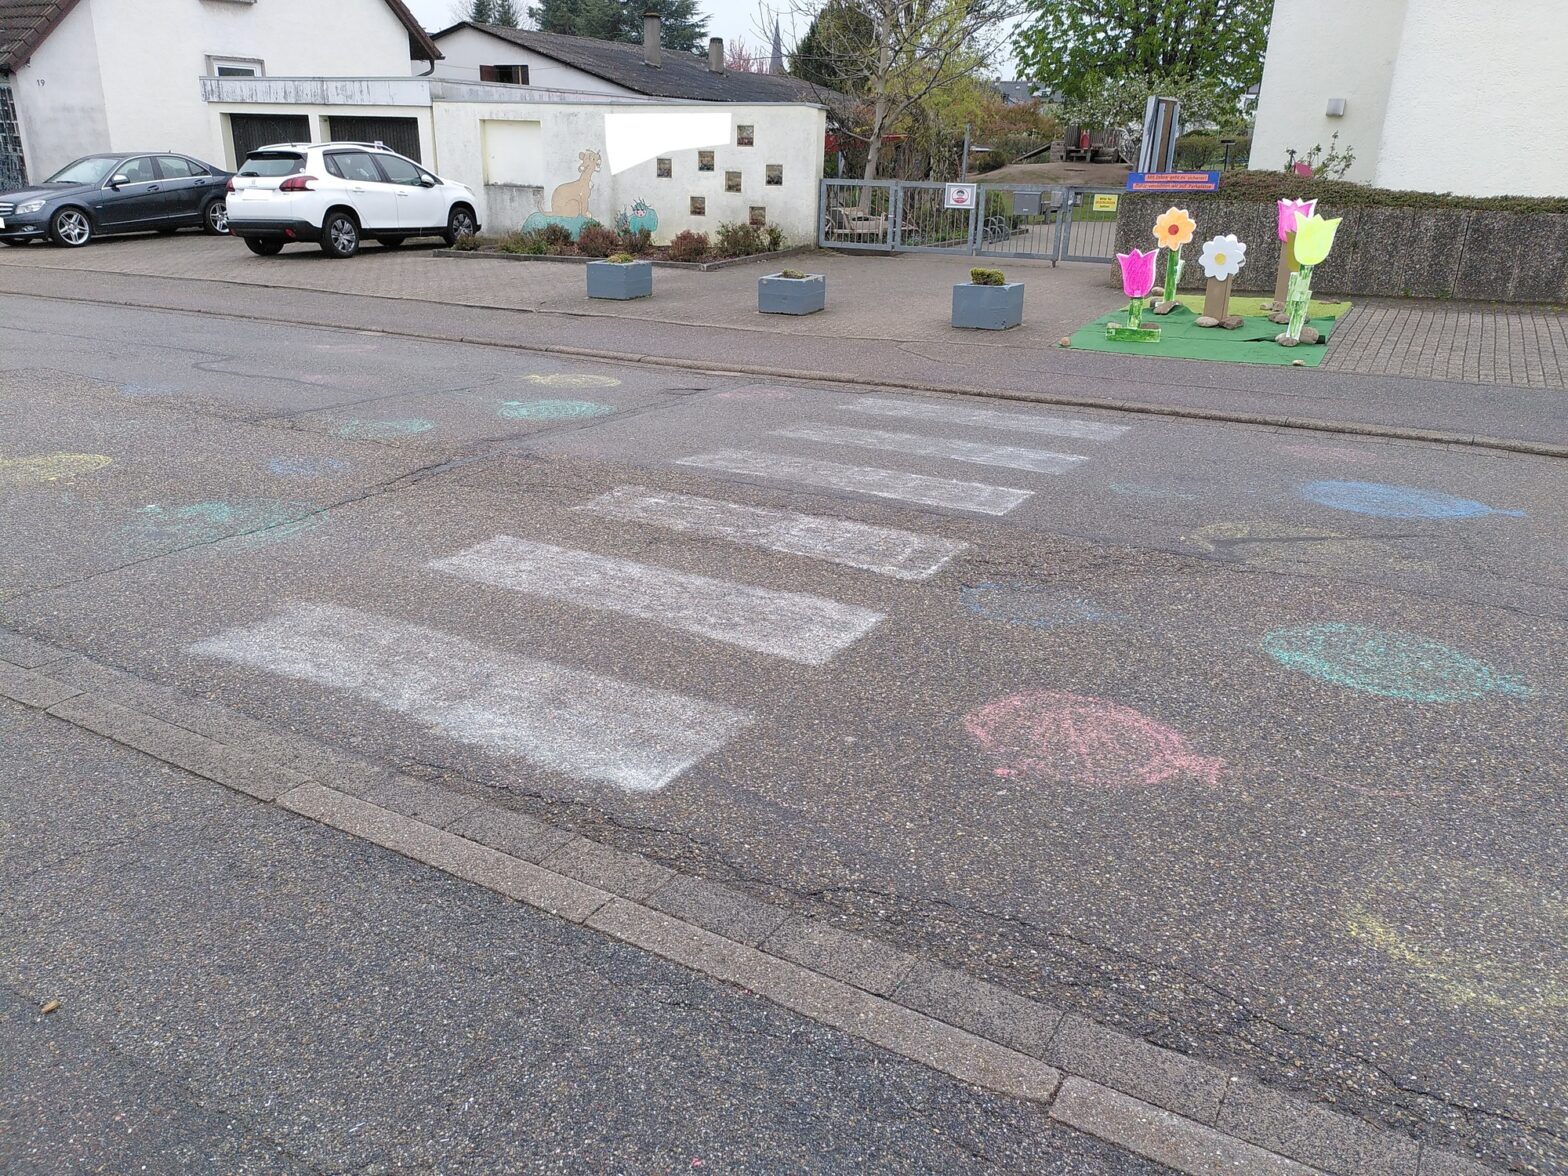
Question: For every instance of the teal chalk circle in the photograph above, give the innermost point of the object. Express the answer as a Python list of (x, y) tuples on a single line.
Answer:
[(1397, 502), (552, 410), (1387, 663), (250, 522), (572, 380), (385, 430)]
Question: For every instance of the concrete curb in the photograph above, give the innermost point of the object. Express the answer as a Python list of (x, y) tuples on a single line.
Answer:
[(802, 375), (1184, 1113)]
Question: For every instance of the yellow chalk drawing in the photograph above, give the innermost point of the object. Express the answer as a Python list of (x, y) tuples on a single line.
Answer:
[(570, 380), (1278, 546), (1431, 925), (30, 471)]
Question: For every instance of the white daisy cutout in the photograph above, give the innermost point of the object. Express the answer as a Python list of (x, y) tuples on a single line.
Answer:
[(1222, 257)]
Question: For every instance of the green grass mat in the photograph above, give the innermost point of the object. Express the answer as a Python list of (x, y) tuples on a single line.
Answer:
[(1253, 342), (1249, 307)]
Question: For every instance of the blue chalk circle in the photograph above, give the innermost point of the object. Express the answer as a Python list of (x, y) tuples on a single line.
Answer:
[(1397, 502), (1033, 605), (252, 522), (381, 430), (1388, 663), (551, 410), (306, 467)]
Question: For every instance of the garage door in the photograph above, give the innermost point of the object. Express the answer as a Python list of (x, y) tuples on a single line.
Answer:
[(397, 134), (257, 130), (13, 169)]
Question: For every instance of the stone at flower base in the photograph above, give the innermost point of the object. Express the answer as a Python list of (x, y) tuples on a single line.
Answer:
[(1233, 322), (1164, 307), (1281, 317), (1310, 335), (1204, 320), (1284, 340)]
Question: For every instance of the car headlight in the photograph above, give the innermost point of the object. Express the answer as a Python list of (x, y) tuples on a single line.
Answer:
[(30, 206)]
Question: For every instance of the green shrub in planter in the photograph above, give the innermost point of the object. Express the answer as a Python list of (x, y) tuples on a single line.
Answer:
[(987, 277)]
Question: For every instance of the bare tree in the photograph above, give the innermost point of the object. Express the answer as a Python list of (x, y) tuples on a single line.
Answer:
[(739, 57), (893, 54)]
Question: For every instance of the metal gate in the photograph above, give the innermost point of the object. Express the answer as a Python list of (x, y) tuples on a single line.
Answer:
[(397, 134), (13, 167), (251, 131), (1006, 220)]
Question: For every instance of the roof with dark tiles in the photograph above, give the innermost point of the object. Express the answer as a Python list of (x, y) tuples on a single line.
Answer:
[(679, 75)]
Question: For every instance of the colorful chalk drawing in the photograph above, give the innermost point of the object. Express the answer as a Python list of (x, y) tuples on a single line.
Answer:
[(53, 467), (137, 391), (1387, 663), (306, 467), (1138, 490), (1035, 605), (1073, 739), (251, 522), (385, 430), (551, 410), (1328, 452), (573, 380), (1397, 502), (1428, 918)]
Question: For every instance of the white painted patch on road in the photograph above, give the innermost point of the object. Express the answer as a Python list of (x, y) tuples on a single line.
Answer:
[(1012, 457), (986, 418), (565, 720), (971, 496), (886, 551), (791, 625)]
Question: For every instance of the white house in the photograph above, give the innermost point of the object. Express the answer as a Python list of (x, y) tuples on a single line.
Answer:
[(79, 76), (1459, 96)]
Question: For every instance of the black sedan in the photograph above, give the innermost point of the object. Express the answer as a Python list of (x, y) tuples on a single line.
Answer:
[(102, 194)]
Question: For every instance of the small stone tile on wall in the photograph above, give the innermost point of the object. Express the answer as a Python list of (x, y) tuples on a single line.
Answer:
[(745, 135), (775, 175), (699, 206), (704, 161), (759, 215), (665, 168), (732, 181)]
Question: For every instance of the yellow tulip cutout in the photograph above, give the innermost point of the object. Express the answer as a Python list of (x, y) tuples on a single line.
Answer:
[(1314, 237)]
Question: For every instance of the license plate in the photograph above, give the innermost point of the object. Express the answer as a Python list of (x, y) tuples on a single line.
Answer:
[(2, 222)]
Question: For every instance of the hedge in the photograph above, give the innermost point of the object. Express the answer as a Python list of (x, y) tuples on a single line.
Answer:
[(1269, 186)]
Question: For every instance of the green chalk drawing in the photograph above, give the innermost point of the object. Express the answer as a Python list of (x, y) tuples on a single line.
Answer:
[(251, 522), (383, 430), (551, 410), (1387, 663)]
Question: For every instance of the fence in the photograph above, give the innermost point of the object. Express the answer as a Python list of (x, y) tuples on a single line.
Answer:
[(1006, 220)]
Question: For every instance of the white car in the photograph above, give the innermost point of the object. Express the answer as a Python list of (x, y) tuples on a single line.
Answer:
[(340, 194)]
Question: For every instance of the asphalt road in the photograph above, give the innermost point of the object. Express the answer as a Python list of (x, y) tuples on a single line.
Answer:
[(1247, 741)]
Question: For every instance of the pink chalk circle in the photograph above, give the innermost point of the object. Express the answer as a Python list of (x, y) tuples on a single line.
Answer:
[(1073, 739)]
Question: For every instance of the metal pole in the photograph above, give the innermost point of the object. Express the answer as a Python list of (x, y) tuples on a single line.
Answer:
[(963, 164)]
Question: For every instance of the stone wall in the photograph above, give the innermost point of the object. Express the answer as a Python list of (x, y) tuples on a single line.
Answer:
[(1394, 252)]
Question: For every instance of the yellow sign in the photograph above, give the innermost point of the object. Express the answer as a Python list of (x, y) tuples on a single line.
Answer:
[(1105, 202)]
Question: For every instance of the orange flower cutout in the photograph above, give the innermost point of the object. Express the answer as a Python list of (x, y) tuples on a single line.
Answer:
[(1174, 228)]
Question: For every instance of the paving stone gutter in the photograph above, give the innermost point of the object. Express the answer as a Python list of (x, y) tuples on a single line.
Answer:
[(1189, 1115)]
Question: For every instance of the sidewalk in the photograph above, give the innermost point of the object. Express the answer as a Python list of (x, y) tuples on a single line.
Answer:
[(886, 324)]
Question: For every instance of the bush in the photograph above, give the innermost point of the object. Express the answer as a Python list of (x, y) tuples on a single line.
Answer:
[(621, 258), (467, 243), (637, 243), (594, 240), (738, 240), (530, 243), (792, 273), (775, 237), (1269, 186), (557, 237), (987, 277), (688, 246)]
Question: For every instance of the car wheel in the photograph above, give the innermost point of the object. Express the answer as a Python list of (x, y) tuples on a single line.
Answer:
[(339, 235), (460, 223), (70, 227), (393, 242), (262, 247), (215, 218)]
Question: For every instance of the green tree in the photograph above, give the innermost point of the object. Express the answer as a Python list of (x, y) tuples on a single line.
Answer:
[(683, 28), (1119, 101), (838, 31), (506, 14), (1076, 46), (479, 11)]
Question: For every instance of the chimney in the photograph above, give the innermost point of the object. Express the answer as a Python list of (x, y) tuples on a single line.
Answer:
[(716, 54), (651, 49)]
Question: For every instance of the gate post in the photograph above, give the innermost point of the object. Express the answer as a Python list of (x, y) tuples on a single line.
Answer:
[(1064, 224)]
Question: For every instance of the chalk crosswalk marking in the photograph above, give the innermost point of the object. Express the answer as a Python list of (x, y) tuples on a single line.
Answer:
[(791, 625), (985, 418), (1039, 461), (580, 724), (880, 483), (886, 551)]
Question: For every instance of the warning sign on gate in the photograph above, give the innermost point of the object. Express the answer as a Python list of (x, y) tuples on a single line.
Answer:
[(1105, 202), (960, 196)]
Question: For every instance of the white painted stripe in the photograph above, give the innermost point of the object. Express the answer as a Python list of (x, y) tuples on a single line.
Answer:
[(985, 418), (1039, 461), (973, 496), (807, 629), (884, 550), (565, 720)]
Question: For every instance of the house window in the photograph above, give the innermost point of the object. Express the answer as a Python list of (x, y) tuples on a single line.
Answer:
[(759, 215), (511, 75), (699, 206), (745, 135), (236, 67), (704, 161), (775, 175), (732, 181), (665, 168)]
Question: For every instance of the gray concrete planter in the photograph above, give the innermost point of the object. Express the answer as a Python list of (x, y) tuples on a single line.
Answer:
[(988, 308), (620, 280), (777, 294)]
